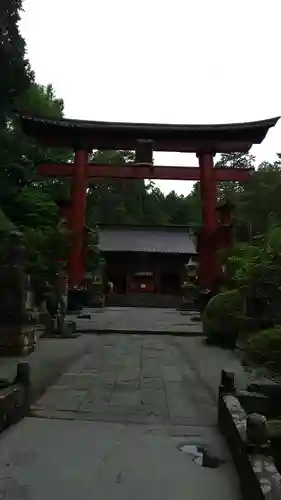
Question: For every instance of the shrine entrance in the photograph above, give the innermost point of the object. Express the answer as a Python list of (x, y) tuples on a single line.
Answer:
[(144, 139), (146, 264)]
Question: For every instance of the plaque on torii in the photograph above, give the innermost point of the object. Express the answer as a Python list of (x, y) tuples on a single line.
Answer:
[(204, 140)]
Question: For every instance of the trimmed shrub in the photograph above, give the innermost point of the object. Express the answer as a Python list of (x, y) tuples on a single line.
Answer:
[(265, 348), (223, 317)]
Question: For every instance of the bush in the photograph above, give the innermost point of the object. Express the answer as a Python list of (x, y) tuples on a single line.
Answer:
[(265, 348), (222, 318)]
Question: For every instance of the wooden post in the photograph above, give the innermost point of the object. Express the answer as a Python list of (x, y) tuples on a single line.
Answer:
[(157, 278), (208, 192), (77, 217), (208, 265)]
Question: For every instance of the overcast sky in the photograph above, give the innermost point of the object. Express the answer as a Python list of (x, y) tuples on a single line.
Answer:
[(167, 61)]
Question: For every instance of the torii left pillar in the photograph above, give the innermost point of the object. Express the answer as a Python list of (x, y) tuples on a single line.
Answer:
[(76, 268)]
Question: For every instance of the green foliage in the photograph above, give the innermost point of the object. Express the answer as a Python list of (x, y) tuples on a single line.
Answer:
[(264, 348), (19, 155), (258, 201), (231, 189), (241, 261), (222, 318), (15, 71), (42, 99), (263, 294), (34, 207), (257, 269), (93, 259), (261, 198), (235, 160), (6, 226), (46, 250), (136, 201), (26, 202)]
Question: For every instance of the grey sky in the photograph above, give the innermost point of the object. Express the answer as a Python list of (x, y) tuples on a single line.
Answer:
[(179, 61)]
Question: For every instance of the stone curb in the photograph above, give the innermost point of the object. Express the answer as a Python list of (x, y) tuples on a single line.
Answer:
[(15, 397), (139, 332)]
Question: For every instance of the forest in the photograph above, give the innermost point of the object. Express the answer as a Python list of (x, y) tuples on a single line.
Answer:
[(29, 203)]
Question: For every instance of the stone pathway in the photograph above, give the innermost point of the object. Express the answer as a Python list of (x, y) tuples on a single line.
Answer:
[(112, 426), (134, 378), (138, 319)]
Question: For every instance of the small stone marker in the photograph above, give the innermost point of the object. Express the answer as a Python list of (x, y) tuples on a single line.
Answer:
[(257, 429)]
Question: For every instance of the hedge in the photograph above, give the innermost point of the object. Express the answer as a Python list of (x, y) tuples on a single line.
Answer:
[(264, 348), (223, 318)]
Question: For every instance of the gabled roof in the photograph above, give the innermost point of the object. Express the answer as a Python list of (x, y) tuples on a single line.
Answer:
[(148, 240)]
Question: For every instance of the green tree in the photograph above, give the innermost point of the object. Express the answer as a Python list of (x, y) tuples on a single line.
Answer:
[(25, 201), (137, 201), (178, 209), (195, 206), (46, 253), (29, 202), (230, 189), (235, 160), (15, 71), (256, 269), (117, 201), (258, 204), (19, 154), (154, 210)]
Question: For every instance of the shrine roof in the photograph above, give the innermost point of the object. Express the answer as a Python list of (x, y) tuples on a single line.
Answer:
[(165, 240), (66, 132)]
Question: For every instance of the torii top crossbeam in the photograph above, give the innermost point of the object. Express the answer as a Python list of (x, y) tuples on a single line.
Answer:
[(234, 137)]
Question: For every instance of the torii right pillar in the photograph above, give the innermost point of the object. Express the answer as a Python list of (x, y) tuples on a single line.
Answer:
[(209, 271)]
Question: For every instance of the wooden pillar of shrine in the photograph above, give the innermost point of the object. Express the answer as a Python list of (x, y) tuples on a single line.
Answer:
[(77, 217), (208, 263)]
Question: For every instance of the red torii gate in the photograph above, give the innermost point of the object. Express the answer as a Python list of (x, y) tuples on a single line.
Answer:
[(204, 140)]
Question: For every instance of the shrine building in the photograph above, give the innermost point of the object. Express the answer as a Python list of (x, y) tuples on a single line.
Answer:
[(146, 264)]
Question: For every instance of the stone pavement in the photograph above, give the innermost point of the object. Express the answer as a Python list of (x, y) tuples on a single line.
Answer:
[(47, 362), (139, 320), (43, 459), (130, 378), (112, 425)]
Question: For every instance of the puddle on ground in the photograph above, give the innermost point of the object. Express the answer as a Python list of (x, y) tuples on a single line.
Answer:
[(201, 455)]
